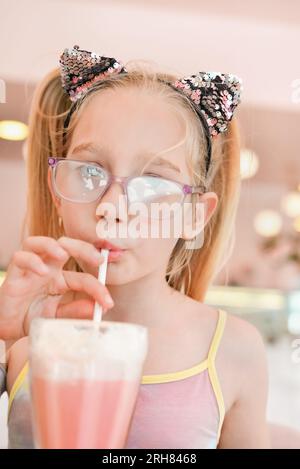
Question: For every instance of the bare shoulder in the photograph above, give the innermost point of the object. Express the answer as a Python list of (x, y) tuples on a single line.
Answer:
[(242, 342), (18, 356), (241, 358), (242, 369)]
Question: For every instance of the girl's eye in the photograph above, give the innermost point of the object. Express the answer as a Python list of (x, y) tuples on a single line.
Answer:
[(153, 175), (89, 170)]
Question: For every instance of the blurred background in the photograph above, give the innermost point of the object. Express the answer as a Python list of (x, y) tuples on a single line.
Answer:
[(255, 40)]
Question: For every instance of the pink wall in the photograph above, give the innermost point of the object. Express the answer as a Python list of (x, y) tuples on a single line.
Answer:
[(12, 206)]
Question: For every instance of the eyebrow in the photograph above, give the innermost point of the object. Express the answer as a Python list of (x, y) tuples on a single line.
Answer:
[(99, 150), (90, 147)]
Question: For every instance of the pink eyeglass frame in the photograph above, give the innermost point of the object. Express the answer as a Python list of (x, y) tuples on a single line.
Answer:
[(124, 181)]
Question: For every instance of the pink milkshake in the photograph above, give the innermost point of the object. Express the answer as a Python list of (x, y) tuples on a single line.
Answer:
[(84, 381)]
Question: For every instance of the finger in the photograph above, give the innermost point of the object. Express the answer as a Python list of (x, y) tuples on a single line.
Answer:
[(30, 261), (79, 309), (13, 271), (78, 281), (81, 250), (45, 245)]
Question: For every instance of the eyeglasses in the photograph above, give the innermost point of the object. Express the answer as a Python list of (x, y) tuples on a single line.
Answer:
[(85, 182)]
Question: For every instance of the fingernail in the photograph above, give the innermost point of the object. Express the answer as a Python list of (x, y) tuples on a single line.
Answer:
[(108, 300)]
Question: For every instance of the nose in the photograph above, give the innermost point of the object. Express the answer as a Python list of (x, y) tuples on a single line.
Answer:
[(112, 206)]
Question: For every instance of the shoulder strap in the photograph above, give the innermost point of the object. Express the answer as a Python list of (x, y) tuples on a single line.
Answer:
[(212, 367), (217, 336)]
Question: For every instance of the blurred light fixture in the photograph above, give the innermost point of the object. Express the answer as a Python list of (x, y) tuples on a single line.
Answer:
[(296, 224), (268, 223), (290, 204), (246, 299), (249, 163), (13, 130)]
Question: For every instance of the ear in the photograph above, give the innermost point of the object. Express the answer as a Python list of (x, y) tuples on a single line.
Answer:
[(197, 215), (56, 200)]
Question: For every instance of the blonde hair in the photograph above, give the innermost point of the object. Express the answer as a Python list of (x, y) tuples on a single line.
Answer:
[(189, 270)]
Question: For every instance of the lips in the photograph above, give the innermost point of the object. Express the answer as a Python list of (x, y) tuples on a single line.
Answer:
[(115, 252)]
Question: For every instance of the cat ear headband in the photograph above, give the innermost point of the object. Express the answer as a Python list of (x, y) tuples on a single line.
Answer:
[(213, 95)]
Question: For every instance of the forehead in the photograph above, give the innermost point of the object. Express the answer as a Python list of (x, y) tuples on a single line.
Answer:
[(130, 122)]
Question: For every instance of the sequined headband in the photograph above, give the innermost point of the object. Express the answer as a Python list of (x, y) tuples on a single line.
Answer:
[(214, 95)]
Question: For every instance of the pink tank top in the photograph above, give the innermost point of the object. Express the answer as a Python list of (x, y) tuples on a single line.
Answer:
[(184, 409)]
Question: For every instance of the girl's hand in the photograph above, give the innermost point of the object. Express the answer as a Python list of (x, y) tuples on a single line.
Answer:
[(35, 283)]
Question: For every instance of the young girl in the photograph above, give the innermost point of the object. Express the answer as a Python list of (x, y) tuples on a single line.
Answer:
[(204, 382)]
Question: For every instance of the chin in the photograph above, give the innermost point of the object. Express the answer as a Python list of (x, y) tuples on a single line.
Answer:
[(121, 274)]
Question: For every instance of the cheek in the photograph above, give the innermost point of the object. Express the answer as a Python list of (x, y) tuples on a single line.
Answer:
[(167, 229), (147, 254), (151, 256), (78, 220)]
